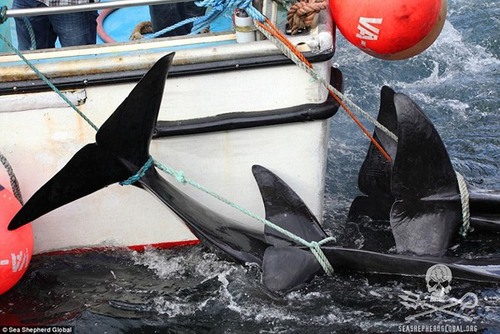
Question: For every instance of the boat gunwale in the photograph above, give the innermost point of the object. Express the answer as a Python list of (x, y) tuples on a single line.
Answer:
[(108, 78)]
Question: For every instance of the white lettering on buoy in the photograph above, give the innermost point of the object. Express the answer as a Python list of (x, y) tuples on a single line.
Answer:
[(19, 261), (4, 262), (367, 30)]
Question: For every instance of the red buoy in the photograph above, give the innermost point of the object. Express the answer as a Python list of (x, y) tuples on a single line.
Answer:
[(390, 29), (16, 246)]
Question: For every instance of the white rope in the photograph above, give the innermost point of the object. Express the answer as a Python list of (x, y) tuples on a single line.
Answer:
[(464, 199)]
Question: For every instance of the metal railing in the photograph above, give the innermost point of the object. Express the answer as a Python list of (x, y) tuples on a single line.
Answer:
[(84, 7)]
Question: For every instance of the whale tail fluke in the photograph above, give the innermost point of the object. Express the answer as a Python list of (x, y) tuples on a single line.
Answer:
[(121, 148)]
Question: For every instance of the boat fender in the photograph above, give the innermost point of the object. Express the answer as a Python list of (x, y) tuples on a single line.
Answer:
[(390, 29), (244, 27), (16, 247)]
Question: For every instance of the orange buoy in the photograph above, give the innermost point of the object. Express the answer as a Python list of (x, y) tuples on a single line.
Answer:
[(16, 246), (390, 29)]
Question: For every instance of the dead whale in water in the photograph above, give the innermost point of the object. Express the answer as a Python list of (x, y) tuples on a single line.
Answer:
[(417, 191)]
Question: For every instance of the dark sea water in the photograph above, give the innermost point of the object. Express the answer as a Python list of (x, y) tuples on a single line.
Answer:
[(189, 290)]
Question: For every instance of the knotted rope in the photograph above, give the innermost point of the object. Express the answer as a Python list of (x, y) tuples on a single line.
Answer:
[(301, 15)]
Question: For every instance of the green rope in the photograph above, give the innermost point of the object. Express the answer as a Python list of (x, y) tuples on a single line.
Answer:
[(31, 32), (47, 81)]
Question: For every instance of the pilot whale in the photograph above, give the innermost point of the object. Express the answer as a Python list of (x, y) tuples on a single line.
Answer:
[(418, 190), (121, 149)]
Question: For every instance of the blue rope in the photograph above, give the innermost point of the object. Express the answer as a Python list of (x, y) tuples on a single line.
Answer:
[(172, 27), (218, 7), (221, 6)]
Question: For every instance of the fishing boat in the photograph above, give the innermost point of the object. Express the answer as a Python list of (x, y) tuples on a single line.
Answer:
[(226, 107)]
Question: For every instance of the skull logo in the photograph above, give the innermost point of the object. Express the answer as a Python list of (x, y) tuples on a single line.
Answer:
[(438, 280)]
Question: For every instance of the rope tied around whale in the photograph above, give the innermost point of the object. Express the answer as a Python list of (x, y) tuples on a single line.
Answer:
[(314, 246)]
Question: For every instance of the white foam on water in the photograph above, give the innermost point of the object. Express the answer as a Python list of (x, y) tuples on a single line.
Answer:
[(164, 267)]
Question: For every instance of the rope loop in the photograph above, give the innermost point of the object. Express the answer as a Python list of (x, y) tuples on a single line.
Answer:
[(140, 173)]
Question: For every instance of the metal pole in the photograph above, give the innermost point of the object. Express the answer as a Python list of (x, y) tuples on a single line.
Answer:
[(85, 7)]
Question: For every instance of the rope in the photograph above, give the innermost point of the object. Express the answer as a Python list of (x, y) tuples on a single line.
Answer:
[(272, 33), (172, 27), (47, 81), (464, 199), (218, 7), (314, 246), (31, 32), (13, 180), (301, 14), (140, 173)]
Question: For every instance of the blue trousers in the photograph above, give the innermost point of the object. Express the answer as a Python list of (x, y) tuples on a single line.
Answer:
[(71, 29)]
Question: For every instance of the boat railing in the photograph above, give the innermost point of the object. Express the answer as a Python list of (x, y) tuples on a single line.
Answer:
[(11, 13)]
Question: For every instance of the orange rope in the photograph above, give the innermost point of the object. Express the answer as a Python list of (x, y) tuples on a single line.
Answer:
[(271, 28)]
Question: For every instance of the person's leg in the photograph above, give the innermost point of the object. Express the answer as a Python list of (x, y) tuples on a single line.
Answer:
[(44, 35), (166, 15), (75, 28)]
